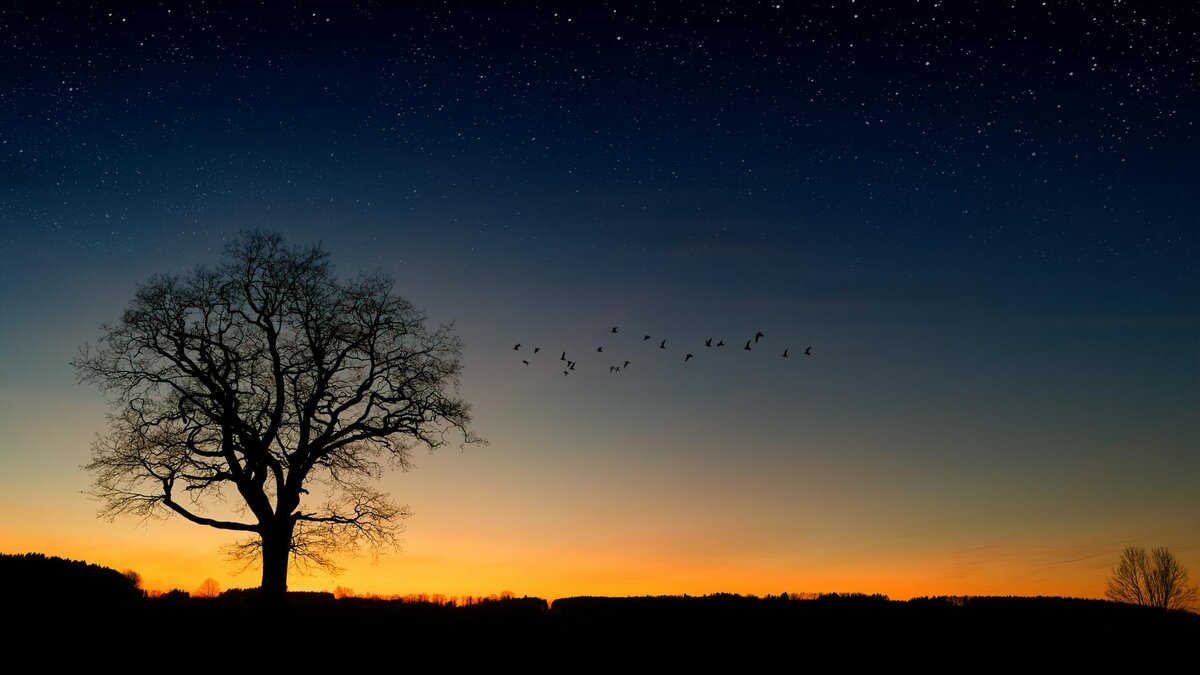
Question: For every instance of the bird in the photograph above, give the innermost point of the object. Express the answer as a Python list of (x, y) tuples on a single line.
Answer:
[(524, 361), (708, 342), (785, 354), (566, 373), (645, 338), (563, 357), (537, 349), (685, 359), (612, 369), (758, 335), (720, 343), (747, 347), (614, 329), (626, 365), (662, 345), (808, 352), (599, 349), (517, 346), (570, 365)]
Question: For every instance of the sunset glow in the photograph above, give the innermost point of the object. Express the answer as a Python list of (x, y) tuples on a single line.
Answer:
[(981, 221)]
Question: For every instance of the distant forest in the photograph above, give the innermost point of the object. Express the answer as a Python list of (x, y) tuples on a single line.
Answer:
[(101, 605), (33, 575)]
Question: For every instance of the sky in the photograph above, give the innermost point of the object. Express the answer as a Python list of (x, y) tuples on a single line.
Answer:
[(980, 216)]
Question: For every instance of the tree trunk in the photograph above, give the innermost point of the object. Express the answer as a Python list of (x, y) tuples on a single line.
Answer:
[(276, 551)]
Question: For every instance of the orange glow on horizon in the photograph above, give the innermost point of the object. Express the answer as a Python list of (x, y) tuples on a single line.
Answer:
[(479, 575), (498, 519)]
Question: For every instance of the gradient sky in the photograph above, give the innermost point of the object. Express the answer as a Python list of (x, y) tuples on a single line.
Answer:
[(981, 216)]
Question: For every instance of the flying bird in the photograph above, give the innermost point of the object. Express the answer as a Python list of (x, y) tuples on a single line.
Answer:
[(614, 329), (524, 361), (570, 365), (599, 349), (517, 346), (645, 338), (708, 342), (747, 347), (537, 349), (612, 369), (757, 335), (626, 364), (662, 345), (685, 359), (563, 357), (785, 354), (566, 373), (808, 352), (720, 343)]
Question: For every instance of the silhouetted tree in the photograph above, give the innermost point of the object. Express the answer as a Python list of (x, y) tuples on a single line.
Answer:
[(209, 588), (1154, 579), (266, 376), (133, 577)]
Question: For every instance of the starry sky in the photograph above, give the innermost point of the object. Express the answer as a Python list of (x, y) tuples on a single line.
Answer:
[(981, 216)]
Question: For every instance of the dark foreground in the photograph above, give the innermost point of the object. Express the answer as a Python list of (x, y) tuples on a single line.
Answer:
[(752, 630)]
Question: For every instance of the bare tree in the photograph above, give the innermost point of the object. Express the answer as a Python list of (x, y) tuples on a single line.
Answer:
[(1154, 579), (269, 380), (134, 578), (209, 588)]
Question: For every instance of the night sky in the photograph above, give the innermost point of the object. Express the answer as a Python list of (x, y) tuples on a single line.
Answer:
[(981, 216)]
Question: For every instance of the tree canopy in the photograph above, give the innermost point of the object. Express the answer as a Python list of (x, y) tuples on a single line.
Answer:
[(269, 382)]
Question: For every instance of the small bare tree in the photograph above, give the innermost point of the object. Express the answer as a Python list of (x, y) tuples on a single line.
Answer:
[(133, 577), (209, 588), (1154, 579), (264, 378)]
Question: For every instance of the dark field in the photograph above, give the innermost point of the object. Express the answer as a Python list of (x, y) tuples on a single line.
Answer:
[(722, 625), (100, 618)]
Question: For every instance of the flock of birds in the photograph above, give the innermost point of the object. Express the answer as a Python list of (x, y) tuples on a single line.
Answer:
[(569, 365)]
